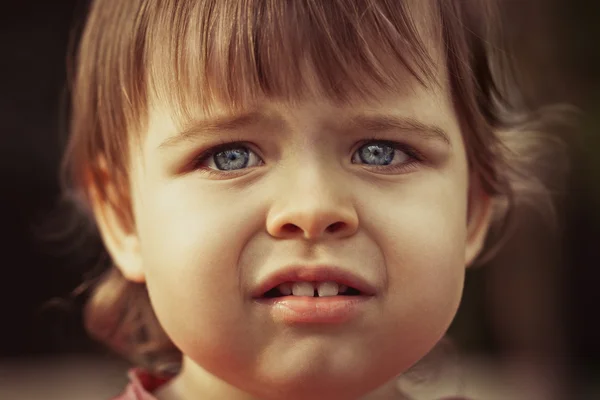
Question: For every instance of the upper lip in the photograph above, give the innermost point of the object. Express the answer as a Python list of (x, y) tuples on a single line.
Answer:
[(299, 273)]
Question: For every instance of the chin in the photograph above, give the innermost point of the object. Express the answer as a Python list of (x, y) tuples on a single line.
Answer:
[(320, 383)]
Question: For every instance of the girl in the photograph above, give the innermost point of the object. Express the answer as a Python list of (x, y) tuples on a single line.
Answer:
[(289, 191)]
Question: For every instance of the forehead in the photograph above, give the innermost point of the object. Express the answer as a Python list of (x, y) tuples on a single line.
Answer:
[(237, 55)]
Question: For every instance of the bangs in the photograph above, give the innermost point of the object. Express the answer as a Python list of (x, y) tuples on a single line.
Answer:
[(230, 53), (206, 56)]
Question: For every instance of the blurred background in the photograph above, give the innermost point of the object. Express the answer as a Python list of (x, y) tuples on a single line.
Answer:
[(529, 324)]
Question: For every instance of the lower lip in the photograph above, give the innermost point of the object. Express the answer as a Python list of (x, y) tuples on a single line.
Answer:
[(315, 310)]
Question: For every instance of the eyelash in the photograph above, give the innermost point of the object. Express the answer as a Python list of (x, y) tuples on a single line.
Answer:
[(415, 158)]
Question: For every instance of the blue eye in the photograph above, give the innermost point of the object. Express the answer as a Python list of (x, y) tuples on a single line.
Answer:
[(231, 158), (381, 154)]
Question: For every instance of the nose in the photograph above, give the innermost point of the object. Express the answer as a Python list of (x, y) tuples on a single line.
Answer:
[(312, 207)]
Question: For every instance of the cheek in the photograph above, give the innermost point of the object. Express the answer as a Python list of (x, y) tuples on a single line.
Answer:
[(195, 232), (421, 231), (190, 244)]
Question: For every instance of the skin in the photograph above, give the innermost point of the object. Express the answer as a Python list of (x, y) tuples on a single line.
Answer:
[(204, 239)]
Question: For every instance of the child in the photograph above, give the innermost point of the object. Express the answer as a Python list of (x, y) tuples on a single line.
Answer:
[(289, 191)]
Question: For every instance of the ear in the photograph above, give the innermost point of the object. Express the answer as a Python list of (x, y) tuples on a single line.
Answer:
[(479, 217), (118, 234)]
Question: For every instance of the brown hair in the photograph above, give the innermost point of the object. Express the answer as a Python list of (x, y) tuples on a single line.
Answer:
[(233, 51)]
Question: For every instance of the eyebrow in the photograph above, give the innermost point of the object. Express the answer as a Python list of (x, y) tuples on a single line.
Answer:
[(213, 126), (371, 123), (385, 122)]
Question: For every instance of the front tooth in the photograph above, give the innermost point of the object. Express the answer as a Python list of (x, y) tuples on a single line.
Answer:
[(285, 289), (303, 289), (326, 289)]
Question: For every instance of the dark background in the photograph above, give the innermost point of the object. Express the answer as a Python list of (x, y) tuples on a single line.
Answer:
[(542, 308)]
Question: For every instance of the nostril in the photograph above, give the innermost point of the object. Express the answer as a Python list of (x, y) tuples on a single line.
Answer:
[(290, 228), (335, 227)]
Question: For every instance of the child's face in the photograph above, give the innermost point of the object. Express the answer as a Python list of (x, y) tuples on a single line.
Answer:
[(377, 191)]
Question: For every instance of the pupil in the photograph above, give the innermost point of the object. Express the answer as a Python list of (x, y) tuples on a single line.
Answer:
[(232, 159), (377, 154)]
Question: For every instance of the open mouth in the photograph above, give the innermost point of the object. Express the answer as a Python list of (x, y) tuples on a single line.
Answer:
[(311, 289), (314, 296)]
